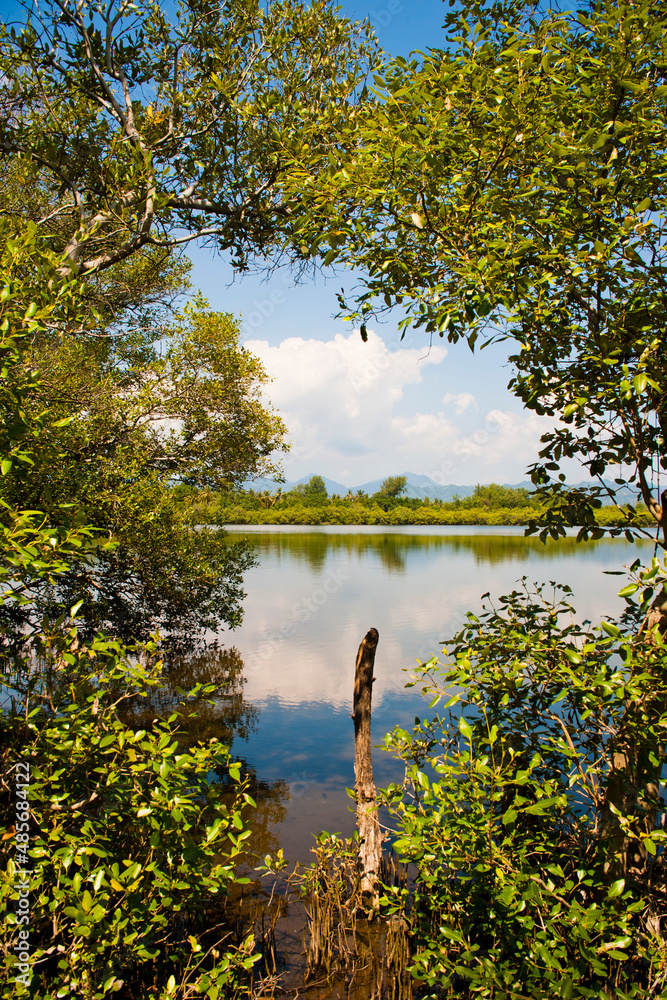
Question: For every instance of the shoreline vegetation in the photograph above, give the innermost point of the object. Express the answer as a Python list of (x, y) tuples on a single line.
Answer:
[(309, 504)]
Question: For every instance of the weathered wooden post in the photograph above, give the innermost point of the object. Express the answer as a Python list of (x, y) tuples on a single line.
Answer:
[(370, 838)]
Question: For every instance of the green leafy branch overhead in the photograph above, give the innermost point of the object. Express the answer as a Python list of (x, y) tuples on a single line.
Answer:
[(512, 186), (155, 133)]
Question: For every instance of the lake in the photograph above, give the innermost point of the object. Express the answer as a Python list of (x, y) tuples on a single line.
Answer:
[(288, 671)]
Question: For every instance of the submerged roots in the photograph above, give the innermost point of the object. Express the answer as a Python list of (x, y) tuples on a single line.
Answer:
[(345, 939)]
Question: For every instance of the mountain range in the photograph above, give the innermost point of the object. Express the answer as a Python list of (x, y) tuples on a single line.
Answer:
[(418, 487)]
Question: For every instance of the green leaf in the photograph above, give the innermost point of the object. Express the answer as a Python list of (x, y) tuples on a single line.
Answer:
[(544, 805), (465, 728)]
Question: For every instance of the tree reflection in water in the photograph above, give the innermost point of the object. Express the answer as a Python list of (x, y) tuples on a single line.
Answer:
[(393, 548), (222, 713)]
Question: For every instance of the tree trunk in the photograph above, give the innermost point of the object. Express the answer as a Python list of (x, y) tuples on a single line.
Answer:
[(370, 838)]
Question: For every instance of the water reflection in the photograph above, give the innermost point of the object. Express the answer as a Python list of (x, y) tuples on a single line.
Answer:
[(392, 546), (314, 595), (223, 713), (314, 548), (283, 690)]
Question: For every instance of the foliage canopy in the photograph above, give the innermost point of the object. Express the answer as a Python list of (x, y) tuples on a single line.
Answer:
[(392, 486), (512, 185), (134, 838), (105, 423), (152, 133), (124, 834)]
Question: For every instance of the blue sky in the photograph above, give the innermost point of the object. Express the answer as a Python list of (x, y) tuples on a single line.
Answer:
[(403, 26), (357, 412)]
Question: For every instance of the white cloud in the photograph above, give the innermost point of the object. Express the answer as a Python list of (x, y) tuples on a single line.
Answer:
[(461, 401), (359, 411), (498, 449), (337, 398)]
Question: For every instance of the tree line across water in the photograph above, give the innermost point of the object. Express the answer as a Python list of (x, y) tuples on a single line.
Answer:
[(509, 186), (310, 503)]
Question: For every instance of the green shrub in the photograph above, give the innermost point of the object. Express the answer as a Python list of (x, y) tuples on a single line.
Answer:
[(133, 841), (533, 812)]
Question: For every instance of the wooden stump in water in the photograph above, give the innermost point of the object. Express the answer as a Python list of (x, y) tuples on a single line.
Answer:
[(370, 837)]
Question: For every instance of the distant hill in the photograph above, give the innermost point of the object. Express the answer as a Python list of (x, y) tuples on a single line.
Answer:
[(269, 484), (418, 487)]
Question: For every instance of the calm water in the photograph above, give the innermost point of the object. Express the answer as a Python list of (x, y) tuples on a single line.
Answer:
[(286, 683)]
